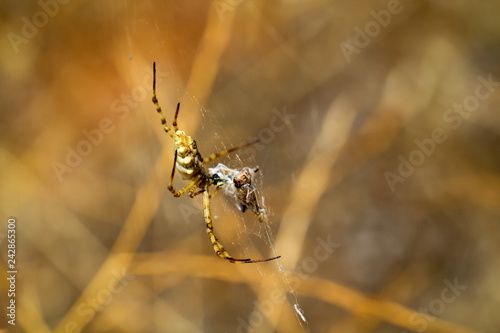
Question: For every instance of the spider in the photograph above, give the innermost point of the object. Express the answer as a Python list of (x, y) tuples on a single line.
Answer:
[(189, 163), (238, 185)]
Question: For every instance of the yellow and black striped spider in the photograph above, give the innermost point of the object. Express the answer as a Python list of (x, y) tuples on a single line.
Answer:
[(189, 163)]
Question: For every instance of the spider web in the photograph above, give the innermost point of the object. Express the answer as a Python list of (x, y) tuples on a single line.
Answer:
[(249, 228)]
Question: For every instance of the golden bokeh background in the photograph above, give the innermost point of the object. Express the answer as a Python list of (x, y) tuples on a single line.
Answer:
[(379, 159)]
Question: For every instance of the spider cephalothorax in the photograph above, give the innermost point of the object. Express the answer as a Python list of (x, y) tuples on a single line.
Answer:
[(189, 163)]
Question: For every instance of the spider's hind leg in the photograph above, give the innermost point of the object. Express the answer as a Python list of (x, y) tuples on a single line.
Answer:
[(218, 247)]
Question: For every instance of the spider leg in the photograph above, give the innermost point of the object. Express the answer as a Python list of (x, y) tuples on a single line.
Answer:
[(193, 184), (210, 196), (215, 193), (158, 107), (196, 193), (218, 248), (225, 152), (174, 123)]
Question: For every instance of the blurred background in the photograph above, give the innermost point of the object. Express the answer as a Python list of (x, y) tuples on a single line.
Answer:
[(379, 165)]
